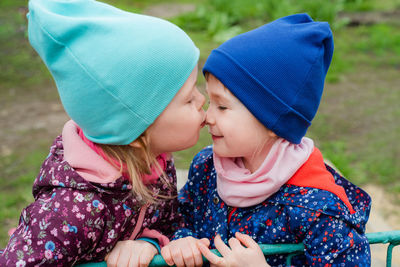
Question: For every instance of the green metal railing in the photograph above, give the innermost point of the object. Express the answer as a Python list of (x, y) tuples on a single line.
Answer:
[(391, 237)]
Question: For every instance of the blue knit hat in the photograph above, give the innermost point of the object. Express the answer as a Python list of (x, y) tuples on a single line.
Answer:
[(277, 71), (115, 71)]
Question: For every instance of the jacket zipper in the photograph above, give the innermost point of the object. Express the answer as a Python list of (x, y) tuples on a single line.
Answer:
[(231, 211)]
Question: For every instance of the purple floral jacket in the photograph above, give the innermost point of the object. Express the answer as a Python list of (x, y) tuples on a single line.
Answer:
[(74, 221)]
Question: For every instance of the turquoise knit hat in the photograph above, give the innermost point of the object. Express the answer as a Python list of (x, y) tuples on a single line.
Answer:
[(115, 71)]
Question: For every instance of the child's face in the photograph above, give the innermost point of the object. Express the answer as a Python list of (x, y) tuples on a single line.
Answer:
[(179, 125), (234, 130)]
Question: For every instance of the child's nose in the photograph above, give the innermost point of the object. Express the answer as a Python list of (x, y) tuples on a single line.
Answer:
[(209, 117)]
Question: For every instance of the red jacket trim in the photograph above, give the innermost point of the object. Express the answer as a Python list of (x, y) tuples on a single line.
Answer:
[(314, 174)]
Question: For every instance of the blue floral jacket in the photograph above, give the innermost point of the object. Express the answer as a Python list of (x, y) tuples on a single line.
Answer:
[(317, 207)]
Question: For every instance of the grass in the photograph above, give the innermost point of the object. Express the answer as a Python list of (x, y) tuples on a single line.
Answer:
[(141, 5), (17, 176), (357, 124), (356, 127), (21, 70), (371, 5), (184, 158)]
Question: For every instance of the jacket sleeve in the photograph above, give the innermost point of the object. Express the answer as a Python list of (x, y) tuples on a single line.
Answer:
[(170, 221), (332, 241), (154, 237), (166, 220), (186, 208), (52, 233), (167, 225)]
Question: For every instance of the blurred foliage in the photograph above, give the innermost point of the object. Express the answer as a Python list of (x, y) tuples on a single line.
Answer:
[(223, 19), (378, 39), (19, 61)]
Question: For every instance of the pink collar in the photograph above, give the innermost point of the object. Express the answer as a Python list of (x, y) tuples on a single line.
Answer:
[(90, 161), (84, 160), (238, 187)]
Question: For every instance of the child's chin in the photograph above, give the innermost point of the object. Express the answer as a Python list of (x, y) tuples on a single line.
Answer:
[(188, 144), (221, 153)]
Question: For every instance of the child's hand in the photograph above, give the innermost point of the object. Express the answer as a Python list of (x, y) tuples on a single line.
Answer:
[(184, 252), (237, 255), (131, 253)]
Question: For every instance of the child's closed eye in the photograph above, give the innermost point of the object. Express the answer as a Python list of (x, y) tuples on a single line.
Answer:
[(222, 107)]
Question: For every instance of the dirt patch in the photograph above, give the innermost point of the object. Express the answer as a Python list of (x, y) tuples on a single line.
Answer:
[(169, 10), (385, 205), (26, 122), (371, 17), (362, 111), (384, 216), (364, 100)]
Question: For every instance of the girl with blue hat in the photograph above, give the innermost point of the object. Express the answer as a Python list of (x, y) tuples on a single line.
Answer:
[(263, 181), (128, 82)]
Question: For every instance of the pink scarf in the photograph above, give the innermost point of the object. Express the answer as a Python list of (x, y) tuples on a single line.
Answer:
[(147, 178), (238, 187)]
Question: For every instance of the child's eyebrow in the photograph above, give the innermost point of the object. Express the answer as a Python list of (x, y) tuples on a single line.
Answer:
[(217, 96)]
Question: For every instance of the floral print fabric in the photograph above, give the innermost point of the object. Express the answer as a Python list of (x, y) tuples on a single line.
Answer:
[(73, 221), (332, 235)]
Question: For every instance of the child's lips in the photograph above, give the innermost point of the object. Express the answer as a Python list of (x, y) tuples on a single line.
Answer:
[(216, 137)]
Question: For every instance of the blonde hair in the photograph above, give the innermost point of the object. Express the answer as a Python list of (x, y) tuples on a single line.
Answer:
[(137, 160)]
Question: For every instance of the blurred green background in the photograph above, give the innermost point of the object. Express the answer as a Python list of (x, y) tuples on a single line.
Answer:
[(357, 126)]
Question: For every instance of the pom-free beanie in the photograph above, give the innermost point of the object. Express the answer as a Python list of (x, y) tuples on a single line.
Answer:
[(115, 71), (277, 71)]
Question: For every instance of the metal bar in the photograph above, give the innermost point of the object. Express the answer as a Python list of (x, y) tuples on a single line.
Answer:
[(290, 257), (384, 237), (389, 254), (391, 237)]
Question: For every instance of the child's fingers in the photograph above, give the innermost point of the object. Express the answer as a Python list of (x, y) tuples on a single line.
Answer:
[(177, 257), (211, 257), (187, 254), (133, 262), (166, 254), (220, 245), (246, 240), (145, 258), (125, 256), (235, 244), (205, 241), (198, 260), (112, 257)]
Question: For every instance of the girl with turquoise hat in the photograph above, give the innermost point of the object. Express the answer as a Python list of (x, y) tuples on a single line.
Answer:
[(128, 83)]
